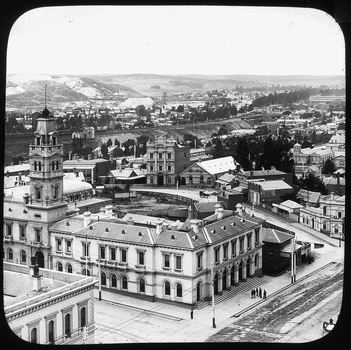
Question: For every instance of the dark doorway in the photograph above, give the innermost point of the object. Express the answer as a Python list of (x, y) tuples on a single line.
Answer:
[(39, 259), (215, 284), (224, 280), (160, 179), (232, 274), (240, 271), (198, 291), (248, 263)]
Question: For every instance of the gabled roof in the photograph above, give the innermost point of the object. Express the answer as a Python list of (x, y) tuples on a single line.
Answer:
[(265, 172), (274, 185), (309, 196), (127, 173), (291, 204), (181, 239), (206, 207), (68, 225), (275, 236), (226, 178), (215, 166)]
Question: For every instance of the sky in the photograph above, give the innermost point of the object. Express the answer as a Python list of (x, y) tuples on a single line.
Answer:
[(176, 40)]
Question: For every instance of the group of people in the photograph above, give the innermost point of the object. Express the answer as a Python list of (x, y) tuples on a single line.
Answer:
[(258, 293)]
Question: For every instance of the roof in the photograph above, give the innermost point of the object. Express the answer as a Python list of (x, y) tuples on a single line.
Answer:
[(309, 196), (147, 220), (291, 204), (17, 168), (216, 166), (133, 102), (274, 185), (83, 162), (265, 172), (73, 186), (334, 181), (270, 235), (181, 239), (127, 174), (226, 178), (206, 207)]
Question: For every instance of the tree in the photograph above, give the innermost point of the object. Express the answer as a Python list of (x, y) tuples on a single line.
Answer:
[(218, 150), (140, 111), (128, 147), (315, 184), (117, 143), (142, 141), (180, 109), (104, 150), (328, 167), (109, 143)]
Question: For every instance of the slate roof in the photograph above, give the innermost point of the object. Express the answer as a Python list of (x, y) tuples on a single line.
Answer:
[(181, 239), (291, 204), (265, 172), (275, 236), (309, 196), (226, 178), (206, 207), (274, 185), (215, 166)]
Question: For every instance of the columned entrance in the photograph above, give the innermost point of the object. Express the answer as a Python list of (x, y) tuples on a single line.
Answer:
[(159, 179)]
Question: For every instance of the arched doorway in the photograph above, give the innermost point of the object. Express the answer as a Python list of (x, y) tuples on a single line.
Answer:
[(224, 280), (240, 271), (183, 181), (232, 274), (198, 291), (312, 223), (39, 258), (159, 179), (215, 284), (248, 263)]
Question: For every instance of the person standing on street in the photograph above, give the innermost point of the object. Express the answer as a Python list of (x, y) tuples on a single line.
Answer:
[(264, 294), (191, 313)]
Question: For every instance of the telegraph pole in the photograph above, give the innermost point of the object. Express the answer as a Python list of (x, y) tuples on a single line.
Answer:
[(213, 299), (99, 270), (293, 262), (86, 255)]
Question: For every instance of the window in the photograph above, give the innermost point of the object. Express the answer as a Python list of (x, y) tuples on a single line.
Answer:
[(59, 267), (37, 235), (142, 285), (151, 168), (325, 210), (179, 290), (33, 335), (22, 230), (23, 256), (103, 279), (234, 247), (256, 261), (225, 251), (169, 156), (53, 166), (249, 238), (69, 268), (124, 255), (68, 246), (339, 214), (57, 165), (51, 332), (178, 262), (124, 282), (167, 288), (160, 156), (184, 154), (160, 167), (83, 317), (257, 235), (113, 254), (85, 249), (8, 229), (151, 156), (114, 280), (141, 258), (102, 253), (199, 260), (169, 180), (217, 255), (58, 244), (169, 168), (166, 261), (68, 326), (10, 254), (241, 244), (151, 179)]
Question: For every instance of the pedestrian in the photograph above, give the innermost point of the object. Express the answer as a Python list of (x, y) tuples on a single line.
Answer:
[(264, 294), (260, 292), (191, 313), (256, 291)]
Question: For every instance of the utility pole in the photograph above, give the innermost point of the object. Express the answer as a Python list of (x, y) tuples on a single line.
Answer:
[(293, 261), (99, 270), (213, 299), (86, 255)]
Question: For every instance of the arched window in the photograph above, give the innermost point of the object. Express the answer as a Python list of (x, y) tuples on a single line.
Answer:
[(85, 273), (83, 320), (142, 285), (53, 166), (114, 280), (69, 268), (10, 254), (68, 325), (179, 290), (124, 282), (23, 256), (57, 165), (51, 332), (103, 279), (33, 335), (167, 288), (59, 266)]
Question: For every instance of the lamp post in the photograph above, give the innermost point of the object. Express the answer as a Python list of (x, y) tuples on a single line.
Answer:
[(213, 299), (86, 255)]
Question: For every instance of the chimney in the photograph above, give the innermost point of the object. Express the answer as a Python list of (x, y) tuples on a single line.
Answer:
[(220, 213), (102, 211), (12, 163), (75, 156), (87, 216), (216, 207), (239, 209), (90, 156), (20, 162), (26, 198), (130, 221), (332, 196), (194, 224), (272, 167), (251, 174), (70, 155), (159, 227), (111, 158), (108, 210), (34, 275), (173, 226), (190, 213), (19, 176)]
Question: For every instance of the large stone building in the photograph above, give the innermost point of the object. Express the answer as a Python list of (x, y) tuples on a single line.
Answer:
[(166, 159), (162, 262), (48, 307)]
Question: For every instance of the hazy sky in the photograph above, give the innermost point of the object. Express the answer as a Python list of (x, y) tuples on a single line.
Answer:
[(176, 40)]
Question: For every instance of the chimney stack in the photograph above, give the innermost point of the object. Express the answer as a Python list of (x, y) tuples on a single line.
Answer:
[(190, 213), (220, 213), (87, 216), (108, 210), (159, 227), (34, 275), (130, 221), (194, 224), (332, 196), (90, 156), (216, 207), (239, 209)]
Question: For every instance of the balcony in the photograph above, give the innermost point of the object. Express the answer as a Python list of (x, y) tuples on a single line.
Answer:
[(8, 239), (122, 265), (140, 268), (85, 258), (35, 244)]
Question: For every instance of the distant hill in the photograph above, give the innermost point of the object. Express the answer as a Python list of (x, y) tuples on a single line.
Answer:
[(27, 90)]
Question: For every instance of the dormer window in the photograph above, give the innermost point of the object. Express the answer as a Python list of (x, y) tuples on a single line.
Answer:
[(213, 231), (123, 232), (224, 228), (91, 228), (38, 141), (173, 237), (107, 229), (233, 223)]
